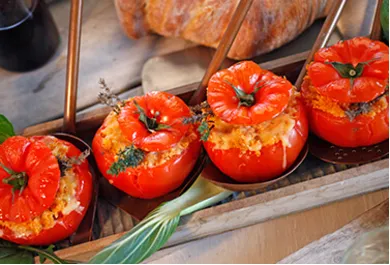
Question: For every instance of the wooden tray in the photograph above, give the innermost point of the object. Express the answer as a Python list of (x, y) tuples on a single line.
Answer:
[(313, 184)]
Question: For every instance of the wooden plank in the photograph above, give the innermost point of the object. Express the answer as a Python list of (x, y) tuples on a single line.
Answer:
[(266, 206), (37, 96), (270, 241), (331, 248)]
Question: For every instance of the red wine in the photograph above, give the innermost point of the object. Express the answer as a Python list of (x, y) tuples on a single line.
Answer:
[(30, 43)]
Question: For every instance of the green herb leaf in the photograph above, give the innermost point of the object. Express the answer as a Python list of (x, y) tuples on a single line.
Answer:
[(204, 130), (6, 128), (15, 256), (129, 157), (155, 230)]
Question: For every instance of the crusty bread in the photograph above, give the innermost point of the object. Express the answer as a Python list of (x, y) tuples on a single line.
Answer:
[(269, 23)]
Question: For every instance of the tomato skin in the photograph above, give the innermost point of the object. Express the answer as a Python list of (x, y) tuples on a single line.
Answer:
[(171, 111), (340, 131), (148, 183), (369, 85), (68, 224), (270, 99), (248, 167)]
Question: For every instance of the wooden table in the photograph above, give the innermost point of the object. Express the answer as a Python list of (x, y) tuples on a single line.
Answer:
[(273, 240)]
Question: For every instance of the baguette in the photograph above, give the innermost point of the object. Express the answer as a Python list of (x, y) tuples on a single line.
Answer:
[(269, 23)]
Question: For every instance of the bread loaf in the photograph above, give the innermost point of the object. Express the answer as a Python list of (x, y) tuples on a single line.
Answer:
[(269, 23)]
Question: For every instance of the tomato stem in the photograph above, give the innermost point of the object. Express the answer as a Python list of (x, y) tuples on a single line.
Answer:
[(150, 123), (245, 99), (18, 180)]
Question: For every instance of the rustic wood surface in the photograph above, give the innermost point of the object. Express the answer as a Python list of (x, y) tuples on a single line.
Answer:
[(272, 240), (331, 248), (242, 212), (37, 96)]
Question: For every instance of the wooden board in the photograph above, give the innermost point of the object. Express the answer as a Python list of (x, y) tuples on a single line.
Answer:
[(262, 207), (331, 248)]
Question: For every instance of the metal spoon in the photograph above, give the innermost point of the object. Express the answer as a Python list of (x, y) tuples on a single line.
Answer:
[(84, 232)]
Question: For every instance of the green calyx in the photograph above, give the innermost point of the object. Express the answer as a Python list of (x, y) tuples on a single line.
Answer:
[(245, 99), (347, 70), (18, 180), (150, 123)]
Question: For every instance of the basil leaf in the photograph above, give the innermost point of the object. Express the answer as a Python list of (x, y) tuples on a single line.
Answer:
[(6, 128), (13, 255)]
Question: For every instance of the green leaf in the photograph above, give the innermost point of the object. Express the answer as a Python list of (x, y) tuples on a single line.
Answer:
[(6, 128), (11, 254), (155, 230), (15, 256)]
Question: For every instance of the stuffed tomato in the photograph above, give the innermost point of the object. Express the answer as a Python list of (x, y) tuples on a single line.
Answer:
[(143, 146), (258, 126), (346, 93), (45, 189)]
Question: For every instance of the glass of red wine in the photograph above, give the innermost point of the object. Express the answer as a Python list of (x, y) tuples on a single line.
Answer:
[(28, 35)]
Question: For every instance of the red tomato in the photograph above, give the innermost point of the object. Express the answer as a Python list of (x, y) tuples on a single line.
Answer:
[(330, 77), (341, 131), (150, 180), (33, 157), (247, 94), (272, 98), (355, 70)]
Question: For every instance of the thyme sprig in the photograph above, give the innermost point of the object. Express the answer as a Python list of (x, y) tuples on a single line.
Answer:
[(129, 157), (202, 113), (68, 162), (107, 97)]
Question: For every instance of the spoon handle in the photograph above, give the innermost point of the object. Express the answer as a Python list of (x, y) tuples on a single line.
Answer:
[(222, 50), (72, 67), (323, 36)]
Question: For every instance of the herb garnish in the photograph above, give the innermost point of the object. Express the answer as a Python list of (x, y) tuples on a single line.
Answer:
[(202, 112), (129, 157), (108, 98), (356, 109), (68, 162)]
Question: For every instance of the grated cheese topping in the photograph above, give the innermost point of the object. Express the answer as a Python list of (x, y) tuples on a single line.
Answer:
[(253, 137)]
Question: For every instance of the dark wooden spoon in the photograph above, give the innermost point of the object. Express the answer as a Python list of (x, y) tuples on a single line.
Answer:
[(322, 149)]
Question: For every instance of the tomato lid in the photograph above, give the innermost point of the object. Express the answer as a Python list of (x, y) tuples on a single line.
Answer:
[(29, 179), (246, 94), (154, 122), (351, 71)]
